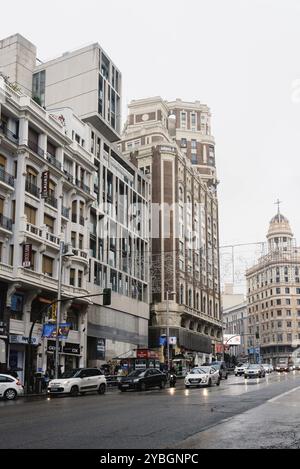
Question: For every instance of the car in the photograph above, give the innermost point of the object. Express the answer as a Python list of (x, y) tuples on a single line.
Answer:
[(283, 365), (202, 376), (10, 387), (78, 380), (143, 379), (240, 369), (254, 371), (222, 368), (267, 367)]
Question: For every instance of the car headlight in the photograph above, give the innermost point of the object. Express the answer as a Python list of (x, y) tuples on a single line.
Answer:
[(204, 379), (136, 380), (66, 382)]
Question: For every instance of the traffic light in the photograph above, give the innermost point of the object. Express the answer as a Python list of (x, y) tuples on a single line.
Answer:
[(107, 296)]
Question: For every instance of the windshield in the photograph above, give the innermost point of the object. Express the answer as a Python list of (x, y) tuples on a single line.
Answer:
[(136, 373), (70, 373), (254, 367), (200, 371)]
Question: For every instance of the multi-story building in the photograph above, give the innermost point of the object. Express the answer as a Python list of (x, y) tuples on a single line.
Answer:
[(235, 317), (97, 199), (33, 145), (274, 296), (184, 219)]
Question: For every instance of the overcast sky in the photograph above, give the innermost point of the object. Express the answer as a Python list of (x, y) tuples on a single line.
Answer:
[(241, 57)]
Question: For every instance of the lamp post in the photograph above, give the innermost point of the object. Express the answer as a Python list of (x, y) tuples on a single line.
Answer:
[(61, 255), (168, 329)]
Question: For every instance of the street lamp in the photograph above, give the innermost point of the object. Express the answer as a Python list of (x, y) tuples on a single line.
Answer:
[(168, 330), (62, 254)]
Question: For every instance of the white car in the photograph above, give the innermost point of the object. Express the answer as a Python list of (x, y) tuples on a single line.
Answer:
[(240, 369), (202, 376), (10, 387), (79, 380), (267, 367)]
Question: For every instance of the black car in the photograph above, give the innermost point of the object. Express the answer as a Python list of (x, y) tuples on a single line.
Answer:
[(143, 379)]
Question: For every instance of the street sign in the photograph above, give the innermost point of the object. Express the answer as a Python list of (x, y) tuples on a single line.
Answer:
[(27, 255)]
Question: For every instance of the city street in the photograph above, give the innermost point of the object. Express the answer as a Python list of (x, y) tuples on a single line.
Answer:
[(154, 419)]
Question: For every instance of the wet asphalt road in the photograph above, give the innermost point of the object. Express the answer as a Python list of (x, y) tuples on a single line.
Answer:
[(153, 419)]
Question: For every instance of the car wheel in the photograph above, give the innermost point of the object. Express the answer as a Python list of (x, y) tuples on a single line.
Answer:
[(143, 387), (236, 374), (245, 377), (74, 391), (209, 383), (102, 389), (122, 390), (226, 376), (10, 394), (187, 387), (162, 385), (218, 382)]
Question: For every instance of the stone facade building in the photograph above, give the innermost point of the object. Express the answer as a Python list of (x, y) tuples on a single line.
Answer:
[(274, 296), (184, 222)]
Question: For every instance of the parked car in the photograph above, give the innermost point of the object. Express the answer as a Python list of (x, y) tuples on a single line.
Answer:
[(240, 369), (267, 367), (254, 371), (202, 376), (143, 379), (10, 387), (222, 368), (79, 380)]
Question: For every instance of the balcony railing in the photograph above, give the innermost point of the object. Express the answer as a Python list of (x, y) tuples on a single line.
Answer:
[(5, 222), (51, 201), (83, 186), (51, 159), (32, 189), (35, 148), (8, 133), (34, 230), (52, 238), (80, 253), (65, 212), (68, 176), (6, 177)]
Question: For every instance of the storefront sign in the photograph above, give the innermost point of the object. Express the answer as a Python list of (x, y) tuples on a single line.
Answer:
[(100, 352), (21, 339), (45, 184), (146, 353), (27, 255), (232, 339), (67, 348)]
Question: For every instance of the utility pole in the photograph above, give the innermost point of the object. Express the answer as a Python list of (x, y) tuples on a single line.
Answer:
[(58, 309)]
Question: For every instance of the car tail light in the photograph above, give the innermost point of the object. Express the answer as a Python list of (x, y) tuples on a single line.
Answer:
[(18, 383)]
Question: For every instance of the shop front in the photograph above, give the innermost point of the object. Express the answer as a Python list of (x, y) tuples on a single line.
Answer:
[(69, 357), (18, 347)]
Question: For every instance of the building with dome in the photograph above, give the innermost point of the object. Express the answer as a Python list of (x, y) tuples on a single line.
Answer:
[(274, 296)]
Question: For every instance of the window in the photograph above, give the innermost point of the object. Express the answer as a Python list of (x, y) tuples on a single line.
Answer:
[(80, 277), (72, 318), (17, 303), (183, 120), (72, 277), (49, 222), (48, 266), (30, 213), (2, 162), (193, 121), (183, 143), (80, 241), (287, 301), (194, 144)]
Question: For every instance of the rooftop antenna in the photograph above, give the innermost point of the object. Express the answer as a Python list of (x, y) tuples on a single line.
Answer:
[(278, 202)]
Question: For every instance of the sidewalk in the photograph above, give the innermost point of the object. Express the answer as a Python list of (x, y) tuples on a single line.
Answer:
[(275, 424)]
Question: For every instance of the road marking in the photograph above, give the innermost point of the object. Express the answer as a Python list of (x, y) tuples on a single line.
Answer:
[(284, 394)]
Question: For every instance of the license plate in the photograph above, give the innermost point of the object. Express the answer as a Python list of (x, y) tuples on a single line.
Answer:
[(54, 389)]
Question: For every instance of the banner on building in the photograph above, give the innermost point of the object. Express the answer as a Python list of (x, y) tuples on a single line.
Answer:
[(45, 184), (27, 255), (100, 349), (231, 339), (49, 331)]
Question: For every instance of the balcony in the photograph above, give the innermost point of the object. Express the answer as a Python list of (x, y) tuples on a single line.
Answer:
[(68, 176), (52, 238), (5, 222), (8, 133), (52, 160), (81, 255), (35, 148), (35, 230), (6, 178), (83, 186), (32, 189), (65, 212), (51, 201)]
